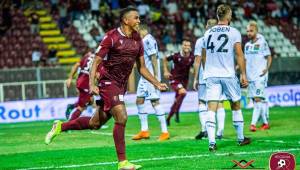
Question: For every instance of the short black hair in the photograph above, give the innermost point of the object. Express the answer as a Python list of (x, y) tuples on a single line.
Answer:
[(124, 11), (186, 39)]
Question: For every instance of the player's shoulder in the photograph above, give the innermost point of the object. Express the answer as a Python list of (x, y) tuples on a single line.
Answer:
[(174, 54), (136, 36), (261, 38), (149, 39), (199, 40), (112, 32)]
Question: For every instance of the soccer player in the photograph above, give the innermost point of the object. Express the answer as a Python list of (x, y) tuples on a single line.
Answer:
[(114, 60), (146, 91), (82, 85), (258, 62), (221, 44), (199, 84), (179, 76)]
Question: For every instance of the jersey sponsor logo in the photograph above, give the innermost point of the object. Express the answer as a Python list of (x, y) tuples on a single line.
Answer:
[(19, 113), (256, 47)]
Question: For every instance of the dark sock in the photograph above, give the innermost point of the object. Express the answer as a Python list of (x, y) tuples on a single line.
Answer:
[(179, 101), (176, 105), (119, 138), (75, 114), (80, 123)]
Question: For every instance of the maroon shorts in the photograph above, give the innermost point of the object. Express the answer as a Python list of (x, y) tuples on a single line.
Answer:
[(84, 98), (178, 84), (111, 94)]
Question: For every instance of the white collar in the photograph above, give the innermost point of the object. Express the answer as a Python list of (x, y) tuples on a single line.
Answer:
[(119, 30)]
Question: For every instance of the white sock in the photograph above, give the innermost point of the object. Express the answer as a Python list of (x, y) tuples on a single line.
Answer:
[(202, 115), (238, 123), (211, 126), (265, 112), (160, 113), (256, 112), (220, 121), (143, 116)]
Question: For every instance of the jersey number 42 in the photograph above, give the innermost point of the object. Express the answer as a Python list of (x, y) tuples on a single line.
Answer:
[(210, 44)]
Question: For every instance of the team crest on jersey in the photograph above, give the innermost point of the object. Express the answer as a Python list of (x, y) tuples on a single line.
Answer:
[(247, 47), (179, 59), (121, 41), (256, 47)]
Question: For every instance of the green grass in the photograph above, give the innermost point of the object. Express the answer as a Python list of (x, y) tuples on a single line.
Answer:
[(21, 145)]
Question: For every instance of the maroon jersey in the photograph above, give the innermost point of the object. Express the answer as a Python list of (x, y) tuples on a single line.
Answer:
[(182, 66), (85, 65), (119, 54)]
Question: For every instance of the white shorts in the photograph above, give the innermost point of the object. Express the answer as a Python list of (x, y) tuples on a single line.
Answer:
[(257, 88), (202, 93), (218, 86), (147, 90)]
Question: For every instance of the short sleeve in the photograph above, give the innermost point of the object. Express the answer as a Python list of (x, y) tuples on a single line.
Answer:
[(141, 50), (202, 44), (198, 47), (171, 57), (237, 38), (266, 49), (150, 47), (104, 46)]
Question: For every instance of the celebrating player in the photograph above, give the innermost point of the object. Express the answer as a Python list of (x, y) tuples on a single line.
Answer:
[(179, 76), (221, 43), (116, 55), (258, 62), (199, 84), (146, 91), (82, 85)]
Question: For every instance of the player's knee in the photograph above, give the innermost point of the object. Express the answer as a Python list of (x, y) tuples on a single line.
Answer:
[(80, 108), (182, 92), (220, 105), (202, 107), (235, 105), (139, 101), (257, 99), (121, 119), (94, 124), (154, 102)]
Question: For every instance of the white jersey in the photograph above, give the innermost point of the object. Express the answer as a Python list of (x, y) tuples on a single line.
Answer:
[(219, 44), (255, 54), (151, 48), (197, 52)]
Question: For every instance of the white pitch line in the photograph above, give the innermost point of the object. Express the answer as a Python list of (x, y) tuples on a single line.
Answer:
[(131, 135), (163, 158), (186, 137)]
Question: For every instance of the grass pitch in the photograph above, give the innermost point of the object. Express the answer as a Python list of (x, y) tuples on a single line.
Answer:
[(22, 145)]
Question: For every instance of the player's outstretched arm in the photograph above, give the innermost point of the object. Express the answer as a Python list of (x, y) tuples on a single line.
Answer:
[(154, 64), (72, 73), (269, 62), (240, 59), (166, 69), (93, 87), (203, 56), (196, 71), (140, 62)]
